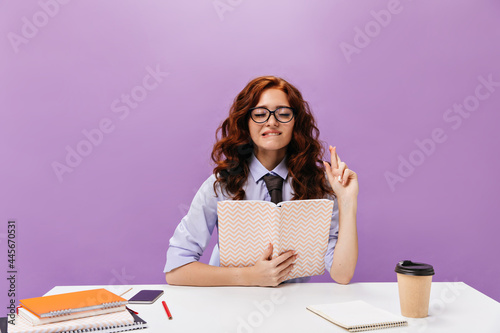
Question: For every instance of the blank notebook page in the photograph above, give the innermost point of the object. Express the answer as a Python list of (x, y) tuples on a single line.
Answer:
[(357, 315)]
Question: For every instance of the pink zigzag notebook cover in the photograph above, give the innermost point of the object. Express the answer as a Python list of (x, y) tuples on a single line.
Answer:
[(246, 227)]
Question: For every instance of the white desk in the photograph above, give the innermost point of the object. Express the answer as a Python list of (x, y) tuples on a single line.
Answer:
[(454, 307)]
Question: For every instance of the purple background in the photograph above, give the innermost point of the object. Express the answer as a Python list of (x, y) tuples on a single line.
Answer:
[(110, 219)]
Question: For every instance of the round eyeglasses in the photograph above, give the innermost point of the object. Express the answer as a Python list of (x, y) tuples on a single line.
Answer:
[(260, 115)]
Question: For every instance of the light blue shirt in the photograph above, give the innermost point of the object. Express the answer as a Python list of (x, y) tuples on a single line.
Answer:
[(193, 233)]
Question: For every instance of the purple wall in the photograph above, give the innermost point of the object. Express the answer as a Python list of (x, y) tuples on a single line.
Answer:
[(401, 88)]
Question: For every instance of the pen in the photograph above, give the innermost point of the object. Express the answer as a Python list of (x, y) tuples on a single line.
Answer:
[(167, 310), (131, 310), (123, 293)]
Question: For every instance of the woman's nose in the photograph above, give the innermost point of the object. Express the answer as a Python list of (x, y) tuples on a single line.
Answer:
[(272, 121)]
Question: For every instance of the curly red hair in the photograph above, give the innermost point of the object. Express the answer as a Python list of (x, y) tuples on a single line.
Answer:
[(234, 146)]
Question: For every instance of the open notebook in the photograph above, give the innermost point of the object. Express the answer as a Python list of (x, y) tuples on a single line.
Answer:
[(246, 227), (357, 316)]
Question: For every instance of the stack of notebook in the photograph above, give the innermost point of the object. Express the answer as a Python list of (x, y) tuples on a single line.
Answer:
[(82, 311)]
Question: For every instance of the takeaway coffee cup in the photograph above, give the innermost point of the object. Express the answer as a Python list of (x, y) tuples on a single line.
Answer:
[(414, 283)]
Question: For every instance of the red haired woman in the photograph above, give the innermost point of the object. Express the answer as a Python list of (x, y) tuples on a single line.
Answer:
[(270, 132)]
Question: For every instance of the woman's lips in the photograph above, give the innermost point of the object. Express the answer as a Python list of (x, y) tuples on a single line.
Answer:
[(271, 134)]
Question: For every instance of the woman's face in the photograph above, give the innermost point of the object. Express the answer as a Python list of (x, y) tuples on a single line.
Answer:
[(271, 135)]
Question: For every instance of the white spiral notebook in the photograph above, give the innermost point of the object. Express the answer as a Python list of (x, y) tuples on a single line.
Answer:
[(357, 316), (110, 323)]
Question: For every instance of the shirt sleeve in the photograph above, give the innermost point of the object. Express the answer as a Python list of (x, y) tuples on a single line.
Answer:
[(195, 230), (334, 234)]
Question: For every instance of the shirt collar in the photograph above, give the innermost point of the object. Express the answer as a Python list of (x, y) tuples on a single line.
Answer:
[(257, 170)]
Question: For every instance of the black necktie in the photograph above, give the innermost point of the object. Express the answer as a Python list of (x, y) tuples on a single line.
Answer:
[(274, 186)]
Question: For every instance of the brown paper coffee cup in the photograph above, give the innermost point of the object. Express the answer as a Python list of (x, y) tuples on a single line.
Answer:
[(414, 284)]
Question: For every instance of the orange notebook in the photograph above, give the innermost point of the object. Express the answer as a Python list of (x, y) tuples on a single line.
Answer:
[(36, 320), (68, 303)]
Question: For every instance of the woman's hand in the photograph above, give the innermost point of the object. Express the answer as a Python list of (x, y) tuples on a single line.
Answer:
[(344, 181), (269, 272)]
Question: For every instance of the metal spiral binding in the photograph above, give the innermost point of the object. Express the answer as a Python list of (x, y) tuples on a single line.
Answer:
[(60, 313), (110, 305), (64, 312)]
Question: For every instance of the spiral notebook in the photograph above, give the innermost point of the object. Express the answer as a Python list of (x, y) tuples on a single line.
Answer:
[(68, 303), (106, 323), (35, 320), (357, 316)]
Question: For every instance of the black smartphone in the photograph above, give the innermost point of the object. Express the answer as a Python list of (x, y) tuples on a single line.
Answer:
[(145, 297)]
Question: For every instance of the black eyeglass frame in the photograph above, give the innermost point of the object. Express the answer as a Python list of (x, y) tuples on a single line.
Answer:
[(271, 113)]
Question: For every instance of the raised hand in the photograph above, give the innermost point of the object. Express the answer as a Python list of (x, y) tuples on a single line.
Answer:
[(343, 180)]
